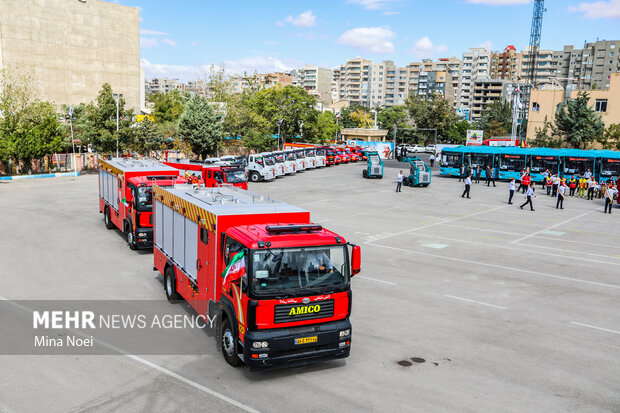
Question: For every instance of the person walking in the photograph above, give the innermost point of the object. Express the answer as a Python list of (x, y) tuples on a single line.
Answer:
[(545, 175), (526, 180), (431, 159), (548, 184), (478, 173), (511, 187), (462, 173), (561, 195), (493, 176), (467, 186), (591, 185), (610, 191), (529, 194), (399, 181), (572, 185), (582, 184), (521, 186), (556, 184)]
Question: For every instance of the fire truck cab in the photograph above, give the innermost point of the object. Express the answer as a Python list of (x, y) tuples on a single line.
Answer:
[(261, 168), (300, 156), (277, 285), (125, 196), (212, 174)]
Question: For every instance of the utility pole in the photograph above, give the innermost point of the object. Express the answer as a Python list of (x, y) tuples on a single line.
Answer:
[(72, 140), (279, 124)]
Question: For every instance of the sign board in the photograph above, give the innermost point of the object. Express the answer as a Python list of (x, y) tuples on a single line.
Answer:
[(474, 137), (140, 118), (385, 149)]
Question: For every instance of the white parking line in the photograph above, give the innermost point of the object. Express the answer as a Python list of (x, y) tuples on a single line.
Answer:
[(503, 267), (542, 231), (374, 279), (154, 366), (475, 302), (595, 327)]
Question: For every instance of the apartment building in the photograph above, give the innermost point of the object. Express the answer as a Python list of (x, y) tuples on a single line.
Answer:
[(544, 69), (485, 92), (164, 85), (316, 80), (475, 64), (506, 65), (353, 82)]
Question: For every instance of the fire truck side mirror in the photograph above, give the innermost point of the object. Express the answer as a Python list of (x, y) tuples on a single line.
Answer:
[(356, 259)]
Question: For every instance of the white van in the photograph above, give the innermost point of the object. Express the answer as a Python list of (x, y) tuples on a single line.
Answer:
[(310, 158), (261, 168), (321, 157), (278, 164), (290, 165), (301, 159)]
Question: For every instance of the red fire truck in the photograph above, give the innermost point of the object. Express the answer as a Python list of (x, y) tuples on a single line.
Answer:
[(277, 286), (212, 175), (125, 192)]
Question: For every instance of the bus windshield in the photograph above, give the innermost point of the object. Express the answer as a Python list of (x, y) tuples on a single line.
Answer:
[(452, 160), (293, 270), (512, 163), (574, 166), (610, 167)]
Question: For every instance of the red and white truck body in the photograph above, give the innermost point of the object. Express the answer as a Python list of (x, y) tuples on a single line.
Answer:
[(277, 286), (212, 175), (125, 196)]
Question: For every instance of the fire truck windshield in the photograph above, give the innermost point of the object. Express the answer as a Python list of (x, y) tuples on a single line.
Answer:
[(279, 157), (269, 160), (144, 198), (296, 271), (290, 156), (235, 176)]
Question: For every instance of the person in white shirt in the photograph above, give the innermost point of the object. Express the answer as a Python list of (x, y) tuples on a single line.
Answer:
[(610, 191), (561, 190), (588, 174), (467, 186), (511, 187), (556, 184), (399, 181), (591, 186), (431, 159), (529, 194)]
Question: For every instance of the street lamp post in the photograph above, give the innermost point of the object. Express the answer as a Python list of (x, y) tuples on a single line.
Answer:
[(116, 97), (279, 124)]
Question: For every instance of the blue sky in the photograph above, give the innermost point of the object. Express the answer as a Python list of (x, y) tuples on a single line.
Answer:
[(182, 38)]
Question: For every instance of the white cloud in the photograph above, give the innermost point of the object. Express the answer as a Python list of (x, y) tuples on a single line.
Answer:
[(152, 32), (194, 43), (305, 19), (487, 44), (599, 9), (170, 42), (372, 4), (259, 64), (148, 42), (373, 39), (499, 2), (425, 48)]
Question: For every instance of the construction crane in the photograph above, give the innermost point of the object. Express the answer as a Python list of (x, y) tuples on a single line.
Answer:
[(534, 49)]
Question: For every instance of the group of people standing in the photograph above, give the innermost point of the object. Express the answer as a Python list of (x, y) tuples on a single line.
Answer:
[(555, 186)]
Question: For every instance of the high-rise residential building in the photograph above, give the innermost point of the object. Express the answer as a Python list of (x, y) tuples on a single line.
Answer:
[(485, 92), (507, 64), (544, 69), (317, 81), (73, 47), (475, 64), (353, 82)]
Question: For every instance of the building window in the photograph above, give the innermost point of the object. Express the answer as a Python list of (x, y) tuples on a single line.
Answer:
[(535, 107), (600, 105)]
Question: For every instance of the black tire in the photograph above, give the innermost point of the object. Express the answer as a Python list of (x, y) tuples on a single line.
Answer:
[(106, 218), (380, 176), (254, 176), (365, 173), (229, 344), (130, 236), (170, 286)]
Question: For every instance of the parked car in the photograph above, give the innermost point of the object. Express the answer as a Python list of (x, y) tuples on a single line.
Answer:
[(430, 148), (415, 148)]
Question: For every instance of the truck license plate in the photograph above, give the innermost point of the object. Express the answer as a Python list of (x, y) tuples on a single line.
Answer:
[(306, 340)]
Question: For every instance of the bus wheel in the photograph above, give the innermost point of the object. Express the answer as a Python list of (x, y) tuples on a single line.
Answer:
[(171, 286), (106, 218), (229, 344), (254, 176)]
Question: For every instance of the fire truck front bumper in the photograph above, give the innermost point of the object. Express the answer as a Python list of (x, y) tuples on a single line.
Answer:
[(294, 346), (144, 238)]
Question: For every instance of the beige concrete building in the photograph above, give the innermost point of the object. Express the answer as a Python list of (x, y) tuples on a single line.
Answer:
[(72, 47), (369, 135), (545, 103), (486, 91)]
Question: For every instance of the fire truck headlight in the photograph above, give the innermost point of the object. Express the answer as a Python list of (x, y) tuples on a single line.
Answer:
[(142, 234), (345, 333), (260, 344)]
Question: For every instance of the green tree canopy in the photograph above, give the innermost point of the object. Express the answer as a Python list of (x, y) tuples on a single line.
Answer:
[(431, 112), (345, 115), (577, 123), (496, 119), (199, 126), (168, 107), (610, 139)]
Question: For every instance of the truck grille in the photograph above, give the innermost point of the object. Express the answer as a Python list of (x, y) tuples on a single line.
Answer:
[(288, 313)]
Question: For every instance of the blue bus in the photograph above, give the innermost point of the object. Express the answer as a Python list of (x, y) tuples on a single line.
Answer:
[(508, 162)]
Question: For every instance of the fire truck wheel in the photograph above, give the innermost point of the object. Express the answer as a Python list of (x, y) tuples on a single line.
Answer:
[(229, 344), (131, 237), (170, 285), (106, 219), (254, 176)]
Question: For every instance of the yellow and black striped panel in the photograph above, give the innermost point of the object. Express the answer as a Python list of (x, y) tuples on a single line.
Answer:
[(109, 168), (193, 212)]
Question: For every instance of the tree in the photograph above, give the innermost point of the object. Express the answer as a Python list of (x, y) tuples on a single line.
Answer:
[(149, 136), (362, 119), (496, 119), (393, 116), (431, 112), (345, 115), (544, 139), (610, 139), (168, 107), (577, 123), (457, 134), (199, 126), (327, 126)]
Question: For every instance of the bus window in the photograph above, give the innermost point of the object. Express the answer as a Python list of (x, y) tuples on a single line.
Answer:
[(574, 166), (539, 164), (610, 168), (481, 160), (452, 160), (512, 163)]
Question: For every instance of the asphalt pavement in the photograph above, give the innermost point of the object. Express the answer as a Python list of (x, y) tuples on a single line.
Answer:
[(464, 305)]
